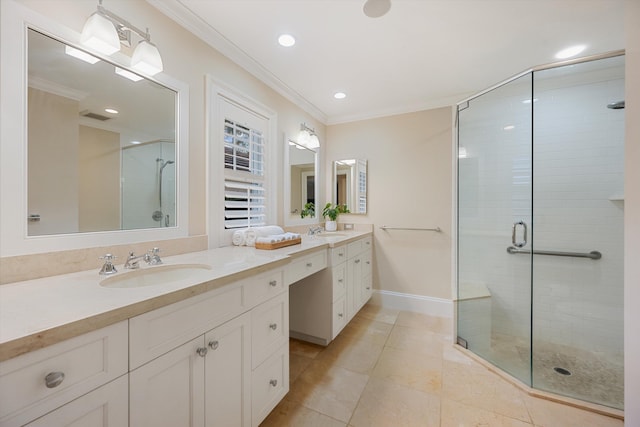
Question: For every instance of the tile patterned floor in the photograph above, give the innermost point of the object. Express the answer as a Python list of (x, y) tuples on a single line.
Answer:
[(397, 368)]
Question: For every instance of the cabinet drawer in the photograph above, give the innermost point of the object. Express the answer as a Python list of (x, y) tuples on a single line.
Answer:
[(339, 279), (305, 266), (269, 384), (339, 316), (82, 363), (156, 332), (269, 328), (366, 263), (263, 287), (359, 246), (108, 406), (338, 255)]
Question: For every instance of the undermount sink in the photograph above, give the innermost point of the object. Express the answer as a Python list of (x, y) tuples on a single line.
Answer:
[(154, 275)]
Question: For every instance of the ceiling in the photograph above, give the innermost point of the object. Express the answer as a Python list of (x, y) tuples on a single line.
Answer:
[(422, 54)]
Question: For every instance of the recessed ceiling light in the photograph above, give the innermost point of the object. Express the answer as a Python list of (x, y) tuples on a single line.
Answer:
[(111, 110), (510, 127), (570, 51), (528, 101), (339, 95), (136, 142), (376, 8), (286, 40)]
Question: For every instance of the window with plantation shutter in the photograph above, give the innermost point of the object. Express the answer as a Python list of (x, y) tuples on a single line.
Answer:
[(244, 185)]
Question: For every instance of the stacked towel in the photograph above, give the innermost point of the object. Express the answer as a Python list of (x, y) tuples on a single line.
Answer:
[(266, 234)]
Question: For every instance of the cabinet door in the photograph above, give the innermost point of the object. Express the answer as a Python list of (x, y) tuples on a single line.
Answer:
[(107, 406), (354, 285), (169, 391), (228, 374)]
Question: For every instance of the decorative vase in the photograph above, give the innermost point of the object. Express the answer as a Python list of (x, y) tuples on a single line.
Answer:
[(330, 225)]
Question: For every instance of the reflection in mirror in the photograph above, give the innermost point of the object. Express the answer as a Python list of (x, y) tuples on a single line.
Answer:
[(101, 144), (302, 164), (350, 184)]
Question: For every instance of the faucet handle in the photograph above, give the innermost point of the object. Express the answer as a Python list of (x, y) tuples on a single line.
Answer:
[(152, 257), (108, 267)]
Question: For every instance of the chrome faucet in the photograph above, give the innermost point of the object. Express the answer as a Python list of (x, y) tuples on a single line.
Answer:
[(151, 258), (314, 230), (108, 267)]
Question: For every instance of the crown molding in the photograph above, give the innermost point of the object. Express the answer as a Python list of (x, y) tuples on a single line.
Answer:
[(182, 15)]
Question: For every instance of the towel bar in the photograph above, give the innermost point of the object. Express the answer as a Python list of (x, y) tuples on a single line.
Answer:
[(437, 229)]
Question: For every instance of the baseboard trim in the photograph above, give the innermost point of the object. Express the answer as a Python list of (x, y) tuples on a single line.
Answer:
[(421, 304)]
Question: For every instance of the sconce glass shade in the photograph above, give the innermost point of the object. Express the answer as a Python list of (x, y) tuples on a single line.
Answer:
[(146, 59), (99, 34), (314, 142), (304, 137)]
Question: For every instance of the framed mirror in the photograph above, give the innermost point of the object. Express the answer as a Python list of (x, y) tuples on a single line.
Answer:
[(92, 153), (301, 183), (350, 184)]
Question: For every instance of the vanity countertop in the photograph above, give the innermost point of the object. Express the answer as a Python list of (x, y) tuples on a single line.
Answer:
[(41, 312)]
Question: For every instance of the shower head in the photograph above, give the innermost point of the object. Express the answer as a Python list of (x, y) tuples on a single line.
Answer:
[(616, 105), (164, 165)]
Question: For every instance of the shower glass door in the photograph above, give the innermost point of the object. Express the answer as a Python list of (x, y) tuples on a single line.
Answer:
[(494, 213), (578, 209)]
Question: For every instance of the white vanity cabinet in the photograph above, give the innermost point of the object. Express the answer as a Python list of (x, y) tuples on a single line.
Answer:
[(198, 361), (68, 381), (321, 305)]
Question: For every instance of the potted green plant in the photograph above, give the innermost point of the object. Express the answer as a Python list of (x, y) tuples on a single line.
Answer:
[(308, 211), (332, 211)]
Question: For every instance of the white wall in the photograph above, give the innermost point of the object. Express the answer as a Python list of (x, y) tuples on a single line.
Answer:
[(632, 216), (409, 185)]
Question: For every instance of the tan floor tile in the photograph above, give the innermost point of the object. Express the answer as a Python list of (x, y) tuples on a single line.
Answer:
[(550, 414), (353, 354), (303, 348), (441, 325), (361, 328), (473, 384), (455, 414), (297, 365), (417, 341), (385, 404), (412, 370), (330, 390), (289, 413), (379, 314)]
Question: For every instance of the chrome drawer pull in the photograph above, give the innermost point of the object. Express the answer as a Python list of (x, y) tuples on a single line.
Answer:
[(202, 351), (54, 379), (214, 345), (273, 283), (273, 326), (273, 382)]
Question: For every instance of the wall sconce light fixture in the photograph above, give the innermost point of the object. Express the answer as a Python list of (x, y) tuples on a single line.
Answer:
[(104, 31), (307, 137)]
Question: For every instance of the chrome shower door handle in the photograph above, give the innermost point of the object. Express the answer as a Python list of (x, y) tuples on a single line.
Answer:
[(524, 234)]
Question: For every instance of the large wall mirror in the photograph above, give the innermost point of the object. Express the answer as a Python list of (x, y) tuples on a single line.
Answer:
[(101, 144), (99, 155), (350, 184), (301, 183)]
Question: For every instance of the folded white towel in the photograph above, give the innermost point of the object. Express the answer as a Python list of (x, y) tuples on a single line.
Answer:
[(291, 236), (267, 230), (250, 237), (238, 238)]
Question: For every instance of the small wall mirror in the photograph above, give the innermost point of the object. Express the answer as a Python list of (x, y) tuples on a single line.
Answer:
[(301, 178), (101, 144), (350, 184)]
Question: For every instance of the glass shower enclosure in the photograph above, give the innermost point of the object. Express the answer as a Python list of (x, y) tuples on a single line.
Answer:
[(540, 227)]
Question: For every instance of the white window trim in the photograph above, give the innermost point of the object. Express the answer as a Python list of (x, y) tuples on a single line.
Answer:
[(216, 93)]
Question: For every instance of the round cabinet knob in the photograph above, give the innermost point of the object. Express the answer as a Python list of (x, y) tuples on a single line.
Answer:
[(273, 326), (273, 383), (357, 261), (273, 283), (340, 280), (54, 379), (340, 254), (368, 262), (214, 345), (202, 351), (340, 315), (309, 264), (368, 287)]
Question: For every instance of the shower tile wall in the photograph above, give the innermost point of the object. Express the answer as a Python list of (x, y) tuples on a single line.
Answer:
[(578, 183), (577, 170)]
